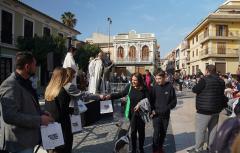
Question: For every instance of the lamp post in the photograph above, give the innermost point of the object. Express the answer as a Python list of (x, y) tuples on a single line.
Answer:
[(110, 22)]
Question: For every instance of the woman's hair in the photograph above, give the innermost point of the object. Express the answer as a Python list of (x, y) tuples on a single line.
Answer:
[(139, 78), (70, 74), (56, 83)]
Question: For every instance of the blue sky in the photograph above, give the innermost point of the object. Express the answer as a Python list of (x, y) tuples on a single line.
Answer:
[(170, 20)]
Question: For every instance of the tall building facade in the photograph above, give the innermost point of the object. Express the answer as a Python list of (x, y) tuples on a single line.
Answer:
[(216, 40), (18, 19), (135, 52), (181, 58)]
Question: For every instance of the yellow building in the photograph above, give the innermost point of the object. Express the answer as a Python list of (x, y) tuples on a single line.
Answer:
[(216, 40)]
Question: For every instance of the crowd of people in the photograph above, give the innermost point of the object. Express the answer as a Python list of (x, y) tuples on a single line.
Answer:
[(21, 115)]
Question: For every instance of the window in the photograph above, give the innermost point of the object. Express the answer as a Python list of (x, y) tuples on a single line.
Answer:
[(28, 28), (132, 53), (46, 32), (5, 68), (206, 49), (120, 53), (197, 38), (221, 47), (206, 32), (7, 25), (177, 65), (193, 53), (221, 30), (193, 41), (60, 35), (145, 53), (197, 68), (197, 52), (193, 70)]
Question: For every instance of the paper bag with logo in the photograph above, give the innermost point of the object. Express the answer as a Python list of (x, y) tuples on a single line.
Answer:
[(76, 123), (52, 136), (106, 107), (81, 106)]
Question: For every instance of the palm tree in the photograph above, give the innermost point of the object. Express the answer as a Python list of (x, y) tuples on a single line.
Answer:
[(69, 19)]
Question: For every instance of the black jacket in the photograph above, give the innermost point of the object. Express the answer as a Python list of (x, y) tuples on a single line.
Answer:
[(135, 97), (62, 102), (210, 95), (163, 99)]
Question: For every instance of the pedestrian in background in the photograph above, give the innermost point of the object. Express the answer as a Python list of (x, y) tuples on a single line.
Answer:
[(163, 99), (210, 101), (149, 80), (70, 62), (21, 115)]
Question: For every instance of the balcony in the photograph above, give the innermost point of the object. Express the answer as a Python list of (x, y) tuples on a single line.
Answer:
[(231, 35), (214, 52), (8, 39), (133, 61)]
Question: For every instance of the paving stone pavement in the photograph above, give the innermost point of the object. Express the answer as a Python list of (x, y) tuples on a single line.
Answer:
[(100, 137)]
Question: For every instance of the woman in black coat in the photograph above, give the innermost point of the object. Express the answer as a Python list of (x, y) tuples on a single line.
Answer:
[(137, 92), (57, 103)]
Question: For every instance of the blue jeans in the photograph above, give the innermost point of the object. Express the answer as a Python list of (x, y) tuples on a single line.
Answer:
[(29, 150)]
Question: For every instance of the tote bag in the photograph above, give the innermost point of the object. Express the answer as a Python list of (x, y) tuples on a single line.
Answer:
[(52, 136), (76, 124)]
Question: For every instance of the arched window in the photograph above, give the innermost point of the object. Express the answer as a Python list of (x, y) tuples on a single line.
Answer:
[(120, 53), (132, 53), (145, 53)]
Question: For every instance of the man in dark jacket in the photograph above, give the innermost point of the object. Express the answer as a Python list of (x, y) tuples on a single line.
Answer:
[(163, 99), (210, 101)]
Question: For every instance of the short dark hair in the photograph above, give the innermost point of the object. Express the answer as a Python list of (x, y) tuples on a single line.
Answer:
[(23, 58), (71, 49), (146, 70), (161, 74), (211, 69)]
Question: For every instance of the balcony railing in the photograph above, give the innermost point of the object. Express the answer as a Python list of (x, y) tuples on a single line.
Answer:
[(131, 60), (228, 52), (230, 35)]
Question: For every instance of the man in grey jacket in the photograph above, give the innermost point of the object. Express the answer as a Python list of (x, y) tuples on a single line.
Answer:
[(20, 112)]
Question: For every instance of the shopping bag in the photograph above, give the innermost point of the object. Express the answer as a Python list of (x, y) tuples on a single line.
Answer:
[(52, 136), (106, 107), (76, 123), (81, 106)]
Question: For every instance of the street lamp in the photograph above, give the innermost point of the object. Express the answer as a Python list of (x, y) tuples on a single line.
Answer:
[(110, 22)]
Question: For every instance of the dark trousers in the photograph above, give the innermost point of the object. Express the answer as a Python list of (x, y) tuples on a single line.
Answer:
[(160, 126), (137, 126)]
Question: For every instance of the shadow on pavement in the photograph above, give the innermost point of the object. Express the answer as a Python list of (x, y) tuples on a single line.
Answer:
[(185, 140), (104, 147)]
